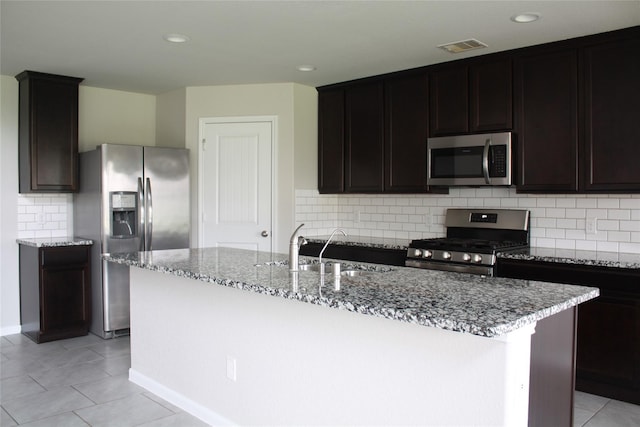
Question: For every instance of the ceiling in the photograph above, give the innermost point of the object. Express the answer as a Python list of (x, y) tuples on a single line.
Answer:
[(119, 44)]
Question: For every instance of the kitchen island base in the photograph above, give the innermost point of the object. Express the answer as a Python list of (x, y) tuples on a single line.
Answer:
[(234, 357)]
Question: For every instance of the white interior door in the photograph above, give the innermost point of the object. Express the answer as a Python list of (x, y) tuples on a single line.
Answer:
[(236, 184)]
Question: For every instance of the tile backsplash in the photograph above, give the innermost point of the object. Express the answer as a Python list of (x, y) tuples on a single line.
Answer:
[(44, 215), (606, 222)]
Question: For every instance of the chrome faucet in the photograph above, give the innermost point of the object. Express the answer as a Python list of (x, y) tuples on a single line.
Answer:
[(294, 248), (326, 244)]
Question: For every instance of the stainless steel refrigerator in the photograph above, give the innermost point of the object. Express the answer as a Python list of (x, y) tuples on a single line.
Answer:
[(131, 199)]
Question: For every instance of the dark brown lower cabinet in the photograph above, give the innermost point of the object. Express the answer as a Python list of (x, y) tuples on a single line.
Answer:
[(608, 332), (55, 292)]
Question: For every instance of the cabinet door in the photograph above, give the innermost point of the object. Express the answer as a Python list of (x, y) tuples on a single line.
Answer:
[(406, 124), (65, 292), (547, 122), (609, 341), (449, 101), (48, 133), (331, 141), (364, 167), (490, 96), (612, 109)]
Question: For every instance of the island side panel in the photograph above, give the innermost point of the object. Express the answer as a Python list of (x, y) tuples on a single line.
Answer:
[(299, 363)]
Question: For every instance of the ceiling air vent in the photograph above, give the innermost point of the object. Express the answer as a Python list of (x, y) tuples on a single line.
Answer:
[(462, 46)]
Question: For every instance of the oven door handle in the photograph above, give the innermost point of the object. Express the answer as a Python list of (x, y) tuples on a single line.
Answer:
[(485, 161)]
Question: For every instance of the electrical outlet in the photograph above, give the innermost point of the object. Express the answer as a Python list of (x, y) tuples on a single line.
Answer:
[(232, 366), (41, 218), (358, 216), (591, 225), (428, 219)]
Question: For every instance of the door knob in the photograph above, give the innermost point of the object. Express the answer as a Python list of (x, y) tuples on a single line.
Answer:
[(264, 233)]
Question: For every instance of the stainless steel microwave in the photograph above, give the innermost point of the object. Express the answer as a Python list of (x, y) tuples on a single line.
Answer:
[(469, 160)]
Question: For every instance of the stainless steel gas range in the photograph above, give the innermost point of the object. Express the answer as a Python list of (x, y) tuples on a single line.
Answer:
[(474, 237)]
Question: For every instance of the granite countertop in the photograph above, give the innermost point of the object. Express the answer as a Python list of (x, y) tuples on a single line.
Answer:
[(484, 306), (566, 256), (52, 242), (572, 256), (362, 241)]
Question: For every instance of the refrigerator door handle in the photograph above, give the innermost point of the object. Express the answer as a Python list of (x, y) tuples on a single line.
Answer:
[(141, 213), (149, 218)]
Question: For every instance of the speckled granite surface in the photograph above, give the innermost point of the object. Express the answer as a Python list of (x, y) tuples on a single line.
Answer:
[(457, 302), (567, 256), (361, 241), (51, 242), (570, 256)]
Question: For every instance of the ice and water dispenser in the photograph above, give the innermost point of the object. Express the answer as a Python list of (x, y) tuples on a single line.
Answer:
[(123, 214)]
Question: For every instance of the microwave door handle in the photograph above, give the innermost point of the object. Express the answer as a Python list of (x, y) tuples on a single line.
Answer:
[(485, 161)]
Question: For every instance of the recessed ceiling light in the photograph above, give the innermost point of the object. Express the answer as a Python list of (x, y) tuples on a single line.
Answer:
[(176, 38), (306, 68), (523, 18)]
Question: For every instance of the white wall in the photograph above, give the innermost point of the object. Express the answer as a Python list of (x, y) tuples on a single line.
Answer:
[(305, 110), (557, 221), (292, 104), (104, 116), (171, 118), (9, 290), (116, 117)]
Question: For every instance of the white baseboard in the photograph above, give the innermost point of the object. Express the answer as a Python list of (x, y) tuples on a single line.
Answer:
[(177, 399), (10, 330)]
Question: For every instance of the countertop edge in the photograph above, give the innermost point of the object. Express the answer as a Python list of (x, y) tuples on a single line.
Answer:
[(54, 242)]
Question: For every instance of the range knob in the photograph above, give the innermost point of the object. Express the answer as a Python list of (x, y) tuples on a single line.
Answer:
[(446, 255), (477, 258), (427, 254), (466, 257), (417, 253)]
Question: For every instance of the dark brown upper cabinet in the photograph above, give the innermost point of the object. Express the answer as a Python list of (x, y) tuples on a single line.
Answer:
[(406, 131), (372, 135), (577, 108), (48, 133), (546, 111), (331, 141), (471, 97), (364, 143), (611, 143)]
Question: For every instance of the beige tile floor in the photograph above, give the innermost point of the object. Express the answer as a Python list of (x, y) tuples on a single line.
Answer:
[(83, 382)]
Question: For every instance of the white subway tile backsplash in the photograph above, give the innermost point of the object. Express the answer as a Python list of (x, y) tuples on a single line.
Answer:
[(607, 246), (566, 203), (604, 224), (585, 245), (575, 213), (630, 225), (557, 221), (608, 203), (43, 215), (633, 203), (587, 203), (619, 214)]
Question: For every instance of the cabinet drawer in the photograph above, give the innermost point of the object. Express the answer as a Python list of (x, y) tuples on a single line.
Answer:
[(59, 257)]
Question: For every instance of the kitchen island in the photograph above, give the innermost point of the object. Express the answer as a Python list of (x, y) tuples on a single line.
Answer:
[(234, 338)]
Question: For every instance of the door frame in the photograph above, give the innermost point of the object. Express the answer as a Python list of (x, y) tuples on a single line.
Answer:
[(273, 120)]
